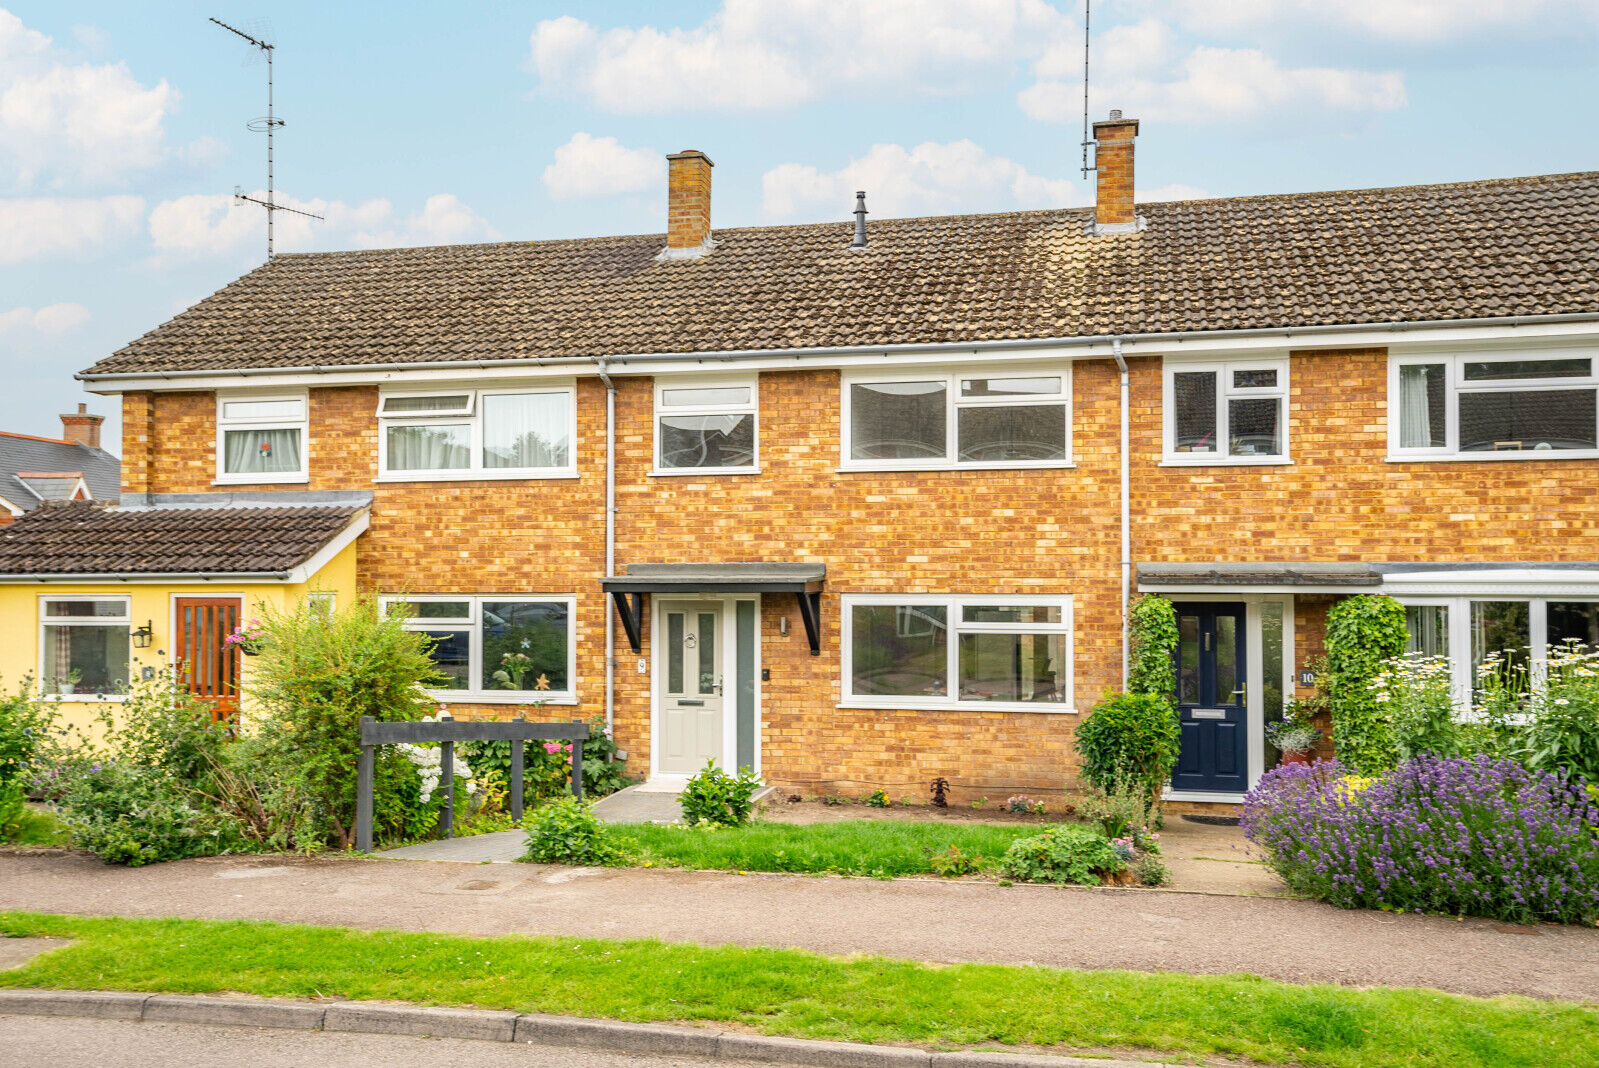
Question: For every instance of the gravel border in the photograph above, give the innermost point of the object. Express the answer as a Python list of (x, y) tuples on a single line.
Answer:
[(499, 1026)]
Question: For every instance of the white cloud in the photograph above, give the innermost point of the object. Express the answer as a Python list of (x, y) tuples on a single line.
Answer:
[(589, 166), (755, 54), (215, 224), (65, 123), (1174, 191), (1409, 21), (55, 319), (930, 178), (1153, 76), (44, 227)]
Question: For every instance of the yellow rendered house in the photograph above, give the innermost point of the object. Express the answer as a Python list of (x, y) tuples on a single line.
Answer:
[(94, 598)]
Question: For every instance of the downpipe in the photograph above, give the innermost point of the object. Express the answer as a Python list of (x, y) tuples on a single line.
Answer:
[(610, 541), (1126, 507)]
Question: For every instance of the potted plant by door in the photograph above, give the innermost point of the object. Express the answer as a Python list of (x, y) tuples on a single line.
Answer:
[(249, 638), (1294, 738)]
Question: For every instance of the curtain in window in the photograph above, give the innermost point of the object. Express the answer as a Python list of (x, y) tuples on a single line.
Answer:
[(250, 452), (427, 448), (525, 430), (1415, 411)]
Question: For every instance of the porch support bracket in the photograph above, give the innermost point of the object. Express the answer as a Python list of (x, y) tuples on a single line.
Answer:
[(630, 606), (810, 609)]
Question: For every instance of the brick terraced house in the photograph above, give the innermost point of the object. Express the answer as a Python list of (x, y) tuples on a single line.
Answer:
[(861, 505)]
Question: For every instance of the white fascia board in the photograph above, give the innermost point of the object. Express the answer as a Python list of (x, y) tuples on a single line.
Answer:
[(1237, 590), (1208, 344), (8, 506), (323, 556), (1576, 583)]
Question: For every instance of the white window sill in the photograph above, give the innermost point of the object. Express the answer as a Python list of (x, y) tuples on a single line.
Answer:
[(1052, 465), (690, 472), (501, 697), (473, 476), (260, 480), (1202, 796), (86, 699), (1490, 457), (1206, 459), (914, 704)]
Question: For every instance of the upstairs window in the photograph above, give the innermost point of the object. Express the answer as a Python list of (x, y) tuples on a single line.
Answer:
[(706, 428), (261, 438), (1011, 419), (1227, 413), (1497, 407), (483, 433)]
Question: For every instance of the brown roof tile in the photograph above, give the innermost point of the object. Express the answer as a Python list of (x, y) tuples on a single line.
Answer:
[(1521, 246), (86, 538)]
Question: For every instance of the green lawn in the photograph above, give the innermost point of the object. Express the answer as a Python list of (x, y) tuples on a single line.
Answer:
[(790, 992), (849, 847)]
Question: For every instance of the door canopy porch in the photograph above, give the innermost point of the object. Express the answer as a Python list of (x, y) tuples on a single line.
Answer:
[(804, 581)]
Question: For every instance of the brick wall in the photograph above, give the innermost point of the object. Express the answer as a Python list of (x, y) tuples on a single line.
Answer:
[(914, 532)]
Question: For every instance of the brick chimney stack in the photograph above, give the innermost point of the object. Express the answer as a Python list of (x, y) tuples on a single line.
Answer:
[(688, 205), (82, 427), (1113, 160)]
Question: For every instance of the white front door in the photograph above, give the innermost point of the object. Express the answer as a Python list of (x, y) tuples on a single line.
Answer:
[(690, 687)]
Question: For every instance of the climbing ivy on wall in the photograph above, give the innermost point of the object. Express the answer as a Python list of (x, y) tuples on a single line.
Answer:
[(1362, 632), (1152, 628)]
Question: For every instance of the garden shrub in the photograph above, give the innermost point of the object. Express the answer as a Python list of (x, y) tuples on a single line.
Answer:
[(566, 831), (133, 815), (1563, 734), (1415, 695), (1482, 836), (12, 808), (1071, 853), (1129, 738), (1362, 632), (1152, 641), (547, 772), (25, 726), (711, 795)]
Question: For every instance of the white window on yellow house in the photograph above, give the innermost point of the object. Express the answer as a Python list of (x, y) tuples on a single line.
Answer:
[(83, 646)]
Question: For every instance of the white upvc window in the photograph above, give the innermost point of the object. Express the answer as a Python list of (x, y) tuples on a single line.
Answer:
[(453, 433), (1517, 406), (1001, 653), (495, 648), (1518, 630), (1234, 412), (261, 438), (84, 646), (707, 427), (992, 418)]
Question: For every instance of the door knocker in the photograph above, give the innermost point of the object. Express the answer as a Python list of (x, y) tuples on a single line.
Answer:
[(691, 641)]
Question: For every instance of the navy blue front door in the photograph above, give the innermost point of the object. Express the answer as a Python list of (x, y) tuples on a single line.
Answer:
[(1209, 668)]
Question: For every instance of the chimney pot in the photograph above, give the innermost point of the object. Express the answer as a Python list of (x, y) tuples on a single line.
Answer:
[(688, 205), (860, 220), (1114, 211), (81, 427)]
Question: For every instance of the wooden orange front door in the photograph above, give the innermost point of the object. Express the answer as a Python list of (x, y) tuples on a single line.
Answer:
[(207, 666)]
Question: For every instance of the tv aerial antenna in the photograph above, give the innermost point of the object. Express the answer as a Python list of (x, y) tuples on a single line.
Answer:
[(267, 124), (1087, 170)]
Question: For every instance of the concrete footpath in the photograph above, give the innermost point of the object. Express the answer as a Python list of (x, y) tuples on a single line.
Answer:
[(918, 919)]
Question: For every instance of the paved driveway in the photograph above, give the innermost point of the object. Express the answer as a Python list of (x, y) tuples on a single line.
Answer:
[(919, 919)]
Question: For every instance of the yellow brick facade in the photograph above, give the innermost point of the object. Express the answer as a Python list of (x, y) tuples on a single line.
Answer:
[(980, 532)]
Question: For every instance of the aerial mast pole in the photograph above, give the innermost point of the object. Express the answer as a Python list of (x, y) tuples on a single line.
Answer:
[(269, 126)]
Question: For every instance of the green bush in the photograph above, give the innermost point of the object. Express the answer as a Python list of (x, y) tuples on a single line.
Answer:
[(1071, 853), (127, 814), (1152, 640), (25, 725), (566, 831), (12, 809), (546, 774), (1129, 739), (714, 796), (1362, 632), (1151, 872)]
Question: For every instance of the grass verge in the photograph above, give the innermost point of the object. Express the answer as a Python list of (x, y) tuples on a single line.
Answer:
[(791, 992), (848, 847), (38, 827)]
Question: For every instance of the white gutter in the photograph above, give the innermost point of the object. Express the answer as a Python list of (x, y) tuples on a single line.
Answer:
[(610, 538), (1126, 506), (799, 353)]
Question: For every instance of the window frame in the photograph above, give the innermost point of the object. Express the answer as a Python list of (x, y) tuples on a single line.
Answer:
[(125, 621), (953, 604), (1456, 384), (752, 408), (472, 417), (224, 424), (1225, 392), (472, 625), (952, 405), (1462, 670)]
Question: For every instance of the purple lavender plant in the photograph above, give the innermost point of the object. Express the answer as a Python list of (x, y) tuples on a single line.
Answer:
[(1478, 837)]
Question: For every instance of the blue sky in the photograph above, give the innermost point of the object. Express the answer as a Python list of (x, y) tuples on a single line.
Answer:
[(122, 125)]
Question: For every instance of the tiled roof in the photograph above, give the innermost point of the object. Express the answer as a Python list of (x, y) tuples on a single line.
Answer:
[(1521, 246), (89, 539), (35, 457)]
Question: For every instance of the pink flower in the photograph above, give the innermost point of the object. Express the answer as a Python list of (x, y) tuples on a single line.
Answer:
[(552, 747)]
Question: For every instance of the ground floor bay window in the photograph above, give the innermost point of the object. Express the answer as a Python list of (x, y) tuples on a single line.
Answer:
[(994, 652), (498, 648), (1517, 632)]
